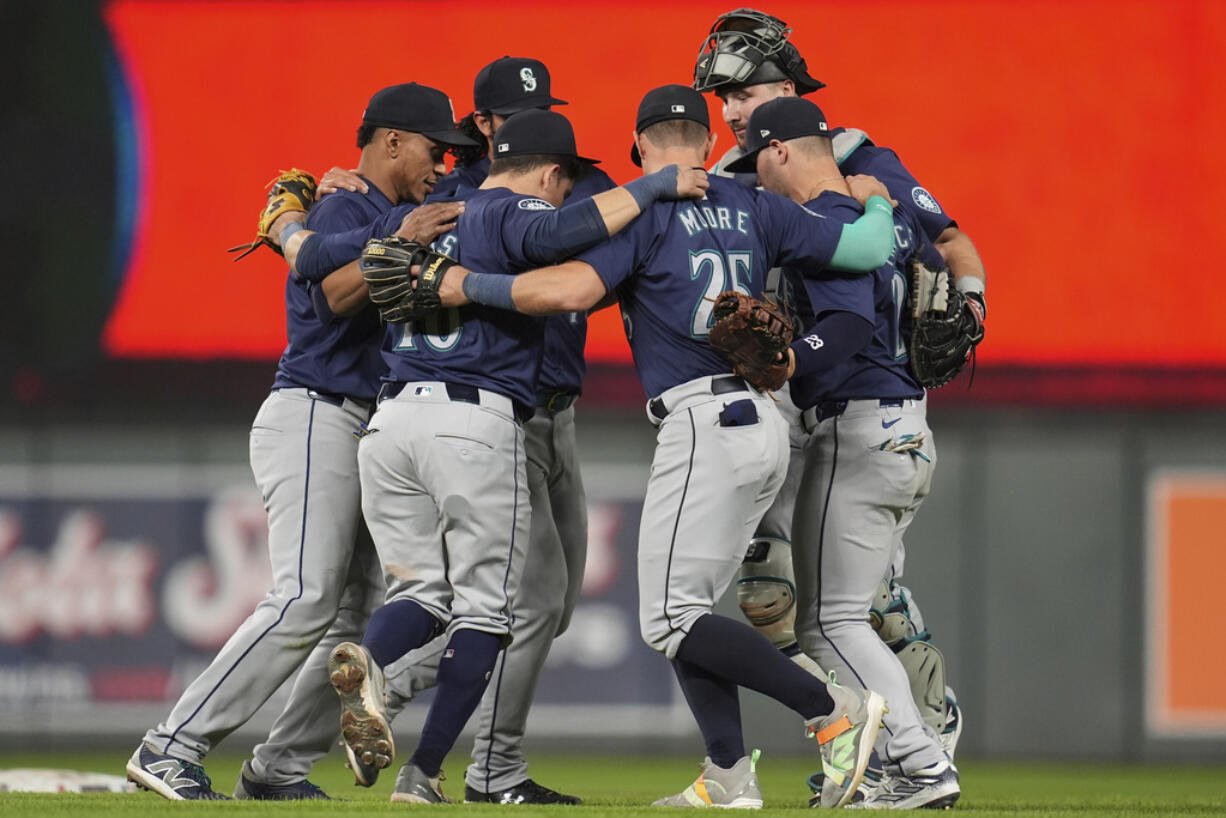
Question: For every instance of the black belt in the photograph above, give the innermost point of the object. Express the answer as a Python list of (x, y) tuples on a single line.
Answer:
[(720, 385), (554, 402), (460, 392), (834, 408)]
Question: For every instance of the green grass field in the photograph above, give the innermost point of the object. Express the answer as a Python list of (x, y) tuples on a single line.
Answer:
[(622, 786)]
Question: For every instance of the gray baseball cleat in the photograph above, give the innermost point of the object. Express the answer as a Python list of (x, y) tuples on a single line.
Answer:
[(359, 682), (845, 740), (733, 788), (170, 777), (415, 787), (933, 788)]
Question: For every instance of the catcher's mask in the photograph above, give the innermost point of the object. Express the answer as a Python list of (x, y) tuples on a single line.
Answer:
[(749, 47)]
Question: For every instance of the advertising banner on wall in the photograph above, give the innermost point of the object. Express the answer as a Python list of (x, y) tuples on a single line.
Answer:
[(1185, 696), (119, 584)]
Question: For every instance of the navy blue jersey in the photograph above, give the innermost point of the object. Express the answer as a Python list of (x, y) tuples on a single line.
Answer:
[(500, 232), (325, 351), (562, 367), (880, 369), (911, 195), (671, 262), (460, 181)]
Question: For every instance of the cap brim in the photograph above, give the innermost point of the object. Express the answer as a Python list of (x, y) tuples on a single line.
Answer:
[(451, 137), (527, 104), (746, 164), (589, 161)]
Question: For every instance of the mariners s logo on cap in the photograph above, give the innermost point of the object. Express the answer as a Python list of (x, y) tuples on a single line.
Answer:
[(528, 79)]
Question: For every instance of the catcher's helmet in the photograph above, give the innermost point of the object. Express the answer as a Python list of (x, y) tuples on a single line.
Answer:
[(749, 47)]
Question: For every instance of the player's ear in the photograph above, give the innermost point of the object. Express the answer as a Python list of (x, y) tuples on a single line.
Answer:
[(709, 147), (639, 142), (552, 177), (787, 88), (392, 142)]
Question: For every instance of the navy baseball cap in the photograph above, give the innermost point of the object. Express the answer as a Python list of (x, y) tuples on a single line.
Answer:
[(513, 84), (534, 133), (415, 108), (782, 118), (665, 103)]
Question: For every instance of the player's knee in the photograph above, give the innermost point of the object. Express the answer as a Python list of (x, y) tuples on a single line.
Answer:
[(766, 589), (665, 636)]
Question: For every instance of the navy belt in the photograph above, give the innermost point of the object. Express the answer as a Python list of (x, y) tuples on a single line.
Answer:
[(834, 408), (460, 392), (336, 399), (720, 385), (554, 402)]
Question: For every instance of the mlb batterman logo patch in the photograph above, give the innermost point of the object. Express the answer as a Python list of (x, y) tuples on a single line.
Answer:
[(925, 199)]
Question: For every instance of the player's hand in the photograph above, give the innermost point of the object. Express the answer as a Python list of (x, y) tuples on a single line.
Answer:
[(692, 183), (451, 288), (426, 223), (863, 186), (340, 179)]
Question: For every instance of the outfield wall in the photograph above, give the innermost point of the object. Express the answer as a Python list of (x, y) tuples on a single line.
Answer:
[(1067, 562)]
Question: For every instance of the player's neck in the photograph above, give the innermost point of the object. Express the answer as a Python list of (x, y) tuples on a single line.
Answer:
[(685, 157), (818, 179), (378, 176)]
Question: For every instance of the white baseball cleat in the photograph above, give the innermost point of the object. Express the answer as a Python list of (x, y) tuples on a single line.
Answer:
[(733, 788), (933, 788), (359, 682)]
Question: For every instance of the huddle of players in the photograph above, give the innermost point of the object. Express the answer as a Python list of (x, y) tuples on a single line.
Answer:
[(461, 450)]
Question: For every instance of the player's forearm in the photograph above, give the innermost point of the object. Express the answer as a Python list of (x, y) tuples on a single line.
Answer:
[(346, 290), (321, 254), (963, 259), (832, 340), (866, 243), (570, 287)]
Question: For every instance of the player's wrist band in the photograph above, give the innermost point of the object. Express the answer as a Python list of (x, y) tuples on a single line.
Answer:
[(647, 189), (289, 230), (490, 289), (972, 287)]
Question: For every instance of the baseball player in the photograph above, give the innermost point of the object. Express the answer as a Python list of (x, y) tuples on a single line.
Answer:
[(747, 60), (553, 572), (326, 577), (722, 450), (864, 412), (443, 471)]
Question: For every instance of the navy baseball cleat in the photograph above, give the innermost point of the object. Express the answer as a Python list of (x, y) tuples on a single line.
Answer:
[(364, 775), (525, 792), (170, 777), (248, 789)]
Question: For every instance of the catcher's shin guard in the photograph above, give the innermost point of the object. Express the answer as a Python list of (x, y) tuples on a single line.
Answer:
[(890, 616), (766, 590)]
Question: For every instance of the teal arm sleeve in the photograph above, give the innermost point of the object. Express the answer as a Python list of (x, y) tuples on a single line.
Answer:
[(866, 243)]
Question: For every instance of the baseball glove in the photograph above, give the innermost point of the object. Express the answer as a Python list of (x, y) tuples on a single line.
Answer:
[(292, 191), (750, 334), (948, 326), (386, 264)]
